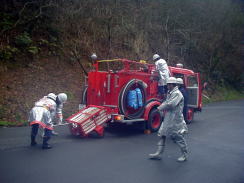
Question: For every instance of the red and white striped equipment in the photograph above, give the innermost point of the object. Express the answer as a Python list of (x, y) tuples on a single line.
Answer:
[(88, 119)]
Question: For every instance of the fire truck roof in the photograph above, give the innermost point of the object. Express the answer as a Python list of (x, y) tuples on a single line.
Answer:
[(181, 70)]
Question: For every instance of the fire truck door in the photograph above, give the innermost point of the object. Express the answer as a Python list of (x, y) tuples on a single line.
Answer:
[(193, 91)]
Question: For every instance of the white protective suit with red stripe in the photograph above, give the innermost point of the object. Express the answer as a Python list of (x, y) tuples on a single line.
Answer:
[(44, 112)]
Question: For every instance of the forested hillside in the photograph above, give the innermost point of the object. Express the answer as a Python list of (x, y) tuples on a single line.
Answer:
[(42, 42)]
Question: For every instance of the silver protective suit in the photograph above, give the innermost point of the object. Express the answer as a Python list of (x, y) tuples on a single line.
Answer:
[(59, 113), (162, 68), (174, 124), (44, 112)]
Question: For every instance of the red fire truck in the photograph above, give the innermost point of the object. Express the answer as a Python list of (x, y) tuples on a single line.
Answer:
[(110, 85)]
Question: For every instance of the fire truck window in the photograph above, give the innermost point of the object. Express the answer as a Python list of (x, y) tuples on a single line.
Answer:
[(192, 81)]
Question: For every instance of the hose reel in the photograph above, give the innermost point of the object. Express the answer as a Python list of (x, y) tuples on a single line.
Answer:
[(131, 113)]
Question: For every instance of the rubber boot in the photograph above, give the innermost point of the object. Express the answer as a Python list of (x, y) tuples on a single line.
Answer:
[(161, 146), (157, 154), (33, 140), (45, 145), (183, 157)]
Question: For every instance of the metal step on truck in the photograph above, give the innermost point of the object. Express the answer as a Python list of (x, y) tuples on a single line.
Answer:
[(126, 91)]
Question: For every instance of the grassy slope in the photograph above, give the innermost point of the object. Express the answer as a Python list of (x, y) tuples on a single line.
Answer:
[(21, 87), (222, 94)]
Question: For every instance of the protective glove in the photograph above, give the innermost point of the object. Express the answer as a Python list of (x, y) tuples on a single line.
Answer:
[(49, 124), (161, 107), (184, 128)]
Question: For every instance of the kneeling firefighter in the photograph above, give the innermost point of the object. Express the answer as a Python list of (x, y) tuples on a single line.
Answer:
[(173, 124), (43, 114)]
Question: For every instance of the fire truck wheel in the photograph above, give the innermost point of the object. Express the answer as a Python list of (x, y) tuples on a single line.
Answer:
[(190, 116), (154, 120)]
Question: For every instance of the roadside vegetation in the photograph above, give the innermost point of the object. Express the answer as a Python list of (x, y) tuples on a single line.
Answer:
[(45, 45), (222, 93)]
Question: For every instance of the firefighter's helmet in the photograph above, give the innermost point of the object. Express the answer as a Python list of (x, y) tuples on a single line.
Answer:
[(62, 97), (156, 56), (172, 80), (180, 81), (94, 56)]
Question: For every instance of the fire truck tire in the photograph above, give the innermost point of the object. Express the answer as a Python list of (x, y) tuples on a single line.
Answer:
[(190, 116), (84, 96), (155, 119), (123, 96)]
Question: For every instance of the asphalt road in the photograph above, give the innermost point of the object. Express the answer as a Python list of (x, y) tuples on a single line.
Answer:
[(215, 142)]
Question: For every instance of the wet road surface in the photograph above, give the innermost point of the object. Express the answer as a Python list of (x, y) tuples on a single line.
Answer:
[(215, 139)]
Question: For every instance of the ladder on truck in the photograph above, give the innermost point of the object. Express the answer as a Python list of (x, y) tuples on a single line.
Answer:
[(88, 119)]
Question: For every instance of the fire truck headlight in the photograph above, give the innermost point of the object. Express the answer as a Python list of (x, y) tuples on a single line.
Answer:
[(119, 118)]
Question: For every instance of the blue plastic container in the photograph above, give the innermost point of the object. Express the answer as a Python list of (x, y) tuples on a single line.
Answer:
[(139, 97), (132, 99)]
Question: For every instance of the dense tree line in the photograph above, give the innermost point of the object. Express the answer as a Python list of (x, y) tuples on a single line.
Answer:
[(206, 36)]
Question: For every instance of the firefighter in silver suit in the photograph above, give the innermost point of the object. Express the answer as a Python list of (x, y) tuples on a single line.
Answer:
[(43, 113), (173, 124)]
